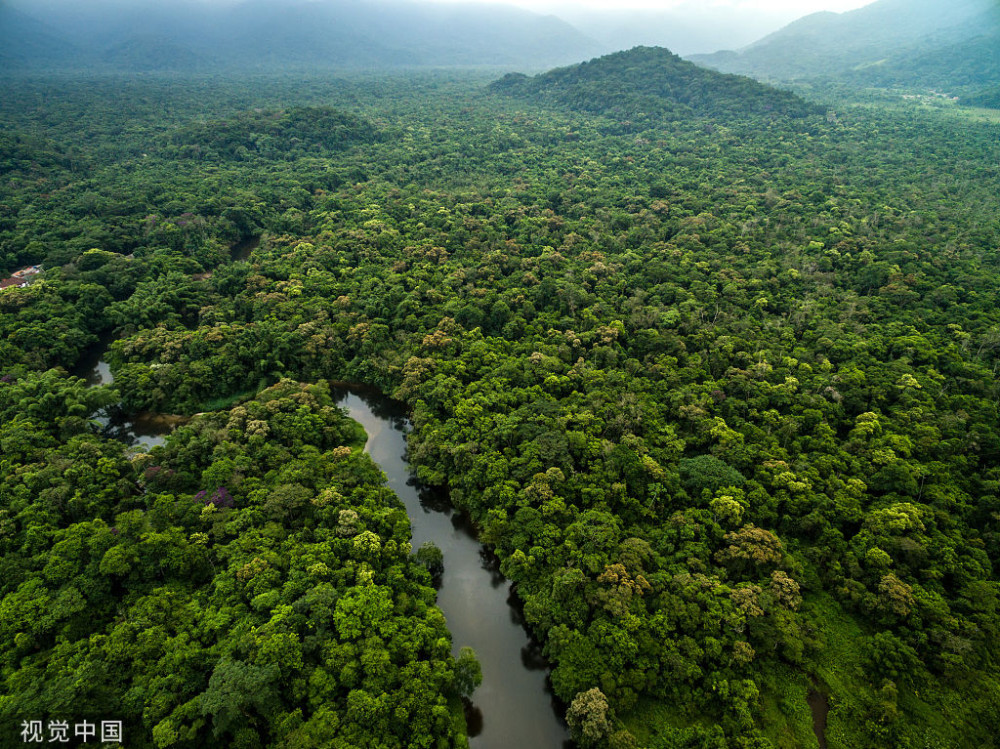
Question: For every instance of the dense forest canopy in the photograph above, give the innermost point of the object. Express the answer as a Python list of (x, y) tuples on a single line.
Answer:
[(718, 387)]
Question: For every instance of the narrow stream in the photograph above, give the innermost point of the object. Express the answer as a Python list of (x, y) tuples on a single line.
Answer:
[(144, 429), (514, 707), (819, 704)]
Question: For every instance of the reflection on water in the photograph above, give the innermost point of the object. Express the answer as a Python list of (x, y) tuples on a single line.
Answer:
[(92, 367), (473, 720), (99, 374), (819, 704), (514, 706), (144, 429)]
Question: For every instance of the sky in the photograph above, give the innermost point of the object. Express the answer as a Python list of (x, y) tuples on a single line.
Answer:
[(685, 26), (795, 8)]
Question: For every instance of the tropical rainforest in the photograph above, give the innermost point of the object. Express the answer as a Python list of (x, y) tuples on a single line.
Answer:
[(711, 367)]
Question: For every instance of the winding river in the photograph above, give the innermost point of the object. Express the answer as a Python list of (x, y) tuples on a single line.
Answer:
[(514, 707)]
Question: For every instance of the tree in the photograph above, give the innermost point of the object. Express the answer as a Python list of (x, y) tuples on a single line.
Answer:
[(468, 673), (430, 556), (239, 696), (590, 717)]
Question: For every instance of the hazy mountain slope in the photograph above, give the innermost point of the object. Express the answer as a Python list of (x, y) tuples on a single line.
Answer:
[(497, 34), (304, 34), (963, 67), (652, 81), (28, 43), (831, 43), (987, 97), (99, 25), (145, 53), (267, 34), (391, 33)]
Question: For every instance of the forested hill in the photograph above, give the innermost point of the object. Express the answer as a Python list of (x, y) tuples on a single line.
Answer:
[(967, 68), (989, 97), (652, 81), (24, 41), (945, 44)]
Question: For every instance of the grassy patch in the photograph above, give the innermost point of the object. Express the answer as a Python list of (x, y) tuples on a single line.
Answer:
[(225, 402), (785, 713), (936, 714), (837, 668), (651, 719)]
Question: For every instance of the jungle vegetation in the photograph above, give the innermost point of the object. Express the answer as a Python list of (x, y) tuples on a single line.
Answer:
[(718, 385)]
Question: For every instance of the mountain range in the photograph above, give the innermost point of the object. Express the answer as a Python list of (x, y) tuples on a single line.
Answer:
[(270, 35), (947, 45)]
